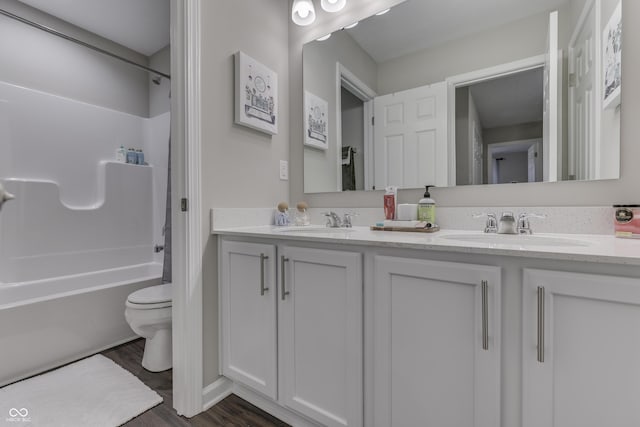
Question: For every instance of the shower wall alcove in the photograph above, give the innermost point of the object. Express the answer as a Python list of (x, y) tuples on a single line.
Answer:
[(80, 234)]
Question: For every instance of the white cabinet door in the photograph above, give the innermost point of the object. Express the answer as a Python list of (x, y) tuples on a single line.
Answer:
[(320, 333), (248, 313), (437, 344), (581, 350)]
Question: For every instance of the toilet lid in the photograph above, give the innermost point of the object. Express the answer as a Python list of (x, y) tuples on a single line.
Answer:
[(151, 295)]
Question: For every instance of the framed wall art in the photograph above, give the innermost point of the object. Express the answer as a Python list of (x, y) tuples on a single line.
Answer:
[(612, 59), (256, 93), (316, 121)]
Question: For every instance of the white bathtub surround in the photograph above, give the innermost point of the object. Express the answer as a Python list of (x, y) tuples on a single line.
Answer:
[(42, 143), (42, 237), (94, 391), (570, 220), (47, 323)]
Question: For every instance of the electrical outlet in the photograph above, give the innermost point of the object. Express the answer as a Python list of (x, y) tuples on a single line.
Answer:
[(284, 170)]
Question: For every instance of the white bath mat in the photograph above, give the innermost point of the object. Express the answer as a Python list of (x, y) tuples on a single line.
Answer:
[(92, 392)]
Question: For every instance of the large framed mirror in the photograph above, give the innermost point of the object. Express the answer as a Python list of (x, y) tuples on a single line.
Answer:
[(465, 93)]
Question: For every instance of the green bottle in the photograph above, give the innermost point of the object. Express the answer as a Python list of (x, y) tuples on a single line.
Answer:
[(427, 208)]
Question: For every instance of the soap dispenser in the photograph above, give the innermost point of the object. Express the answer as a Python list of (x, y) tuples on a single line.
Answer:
[(427, 207)]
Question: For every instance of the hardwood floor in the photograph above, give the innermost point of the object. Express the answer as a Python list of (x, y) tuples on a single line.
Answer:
[(232, 411)]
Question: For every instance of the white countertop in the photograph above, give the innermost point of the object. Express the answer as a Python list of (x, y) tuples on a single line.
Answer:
[(580, 247)]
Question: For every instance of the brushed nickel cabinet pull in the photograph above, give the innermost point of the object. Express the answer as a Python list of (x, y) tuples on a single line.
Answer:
[(263, 258), (485, 315), (541, 324), (284, 292)]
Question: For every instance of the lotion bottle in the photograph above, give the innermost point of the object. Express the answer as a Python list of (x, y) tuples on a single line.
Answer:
[(427, 208)]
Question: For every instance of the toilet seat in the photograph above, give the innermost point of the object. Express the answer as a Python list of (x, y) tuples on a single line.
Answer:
[(152, 297)]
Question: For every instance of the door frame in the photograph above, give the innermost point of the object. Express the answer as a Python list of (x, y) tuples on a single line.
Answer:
[(347, 79), (470, 78), (186, 233)]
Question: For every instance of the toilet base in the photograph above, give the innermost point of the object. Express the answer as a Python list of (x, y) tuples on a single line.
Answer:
[(158, 352)]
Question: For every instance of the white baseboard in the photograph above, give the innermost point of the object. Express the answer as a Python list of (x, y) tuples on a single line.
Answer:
[(271, 407), (223, 387), (215, 392)]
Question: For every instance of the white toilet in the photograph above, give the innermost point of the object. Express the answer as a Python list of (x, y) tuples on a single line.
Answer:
[(148, 312)]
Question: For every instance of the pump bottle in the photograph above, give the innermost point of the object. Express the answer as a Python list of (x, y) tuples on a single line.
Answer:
[(427, 208)]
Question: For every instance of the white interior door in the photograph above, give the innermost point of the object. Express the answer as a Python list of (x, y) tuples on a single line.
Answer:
[(411, 137), (584, 98), (552, 123)]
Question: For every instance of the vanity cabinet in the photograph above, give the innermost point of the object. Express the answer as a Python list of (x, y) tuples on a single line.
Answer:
[(321, 333), (436, 333), (248, 309), (292, 327), (581, 349)]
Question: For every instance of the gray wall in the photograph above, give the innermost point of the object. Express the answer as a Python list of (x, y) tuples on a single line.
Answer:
[(240, 166), (600, 193), (44, 62), (321, 166), (507, 43), (159, 101), (513, 167)]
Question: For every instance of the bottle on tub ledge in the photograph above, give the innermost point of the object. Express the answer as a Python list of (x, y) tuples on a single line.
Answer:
[(132, 156), (121, 154)]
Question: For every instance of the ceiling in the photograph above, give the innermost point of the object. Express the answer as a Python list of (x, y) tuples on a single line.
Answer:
[(510, 100), (141, 25), (426, 23)]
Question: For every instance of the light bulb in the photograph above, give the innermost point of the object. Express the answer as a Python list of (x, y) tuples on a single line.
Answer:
[(333, 5), (302, 12), (323, 38)]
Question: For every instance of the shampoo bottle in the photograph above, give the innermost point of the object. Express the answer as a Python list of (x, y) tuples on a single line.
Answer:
[(427, 208)]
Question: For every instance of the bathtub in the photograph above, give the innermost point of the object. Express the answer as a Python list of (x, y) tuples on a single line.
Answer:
[(50, 322)]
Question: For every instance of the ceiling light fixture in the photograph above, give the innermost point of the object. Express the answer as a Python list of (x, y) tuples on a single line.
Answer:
[(352, 25), (323, 38), (383, 12), (302, 12), (333, 5)]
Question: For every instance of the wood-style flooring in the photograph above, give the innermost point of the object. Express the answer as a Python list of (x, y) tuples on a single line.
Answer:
[(232, 411)]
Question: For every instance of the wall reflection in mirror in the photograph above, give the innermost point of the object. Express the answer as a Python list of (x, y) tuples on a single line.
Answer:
[(448, 94)]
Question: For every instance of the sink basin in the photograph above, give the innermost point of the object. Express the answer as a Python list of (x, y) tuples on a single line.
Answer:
[(315, 229), (515, 239)]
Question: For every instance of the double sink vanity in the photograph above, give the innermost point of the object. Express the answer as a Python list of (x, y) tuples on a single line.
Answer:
[(354, 327)]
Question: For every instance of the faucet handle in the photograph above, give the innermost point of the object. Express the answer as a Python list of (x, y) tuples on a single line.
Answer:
[(333, 220), (492, 223), (523, 222), (348, 216), (525, 215)]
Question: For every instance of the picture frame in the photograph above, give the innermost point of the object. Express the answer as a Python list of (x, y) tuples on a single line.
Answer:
[(612, 59), (256, 94), (316, 121)]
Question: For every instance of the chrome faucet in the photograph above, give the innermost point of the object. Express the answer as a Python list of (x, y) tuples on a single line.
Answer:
[(492, 224), (333, 220), (523, 222)]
